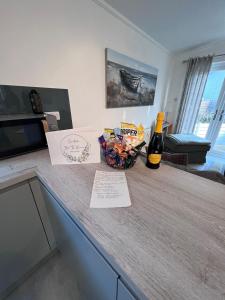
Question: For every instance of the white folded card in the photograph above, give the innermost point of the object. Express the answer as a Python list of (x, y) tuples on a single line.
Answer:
[(73, 146), (110, 190)]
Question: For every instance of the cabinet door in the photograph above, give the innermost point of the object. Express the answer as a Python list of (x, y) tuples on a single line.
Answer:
[(23, 242), (123, 292), (94, 277), (38, 198)]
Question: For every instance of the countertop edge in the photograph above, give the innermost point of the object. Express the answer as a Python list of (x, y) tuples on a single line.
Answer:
[(109, 259), (18, 177)]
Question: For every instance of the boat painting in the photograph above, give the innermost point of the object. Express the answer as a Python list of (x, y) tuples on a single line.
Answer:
[(128, 82)]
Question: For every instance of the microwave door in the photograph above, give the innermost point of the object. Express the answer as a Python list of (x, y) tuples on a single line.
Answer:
[(12, 137), (21, 136)]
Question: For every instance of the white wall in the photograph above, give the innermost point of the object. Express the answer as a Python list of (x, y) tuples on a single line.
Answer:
[(60, 43), (179, 70)]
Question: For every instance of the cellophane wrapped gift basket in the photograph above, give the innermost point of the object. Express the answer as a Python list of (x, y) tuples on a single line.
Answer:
[(121, 146)]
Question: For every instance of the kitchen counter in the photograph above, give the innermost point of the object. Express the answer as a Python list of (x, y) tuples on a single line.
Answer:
[(170, 244)]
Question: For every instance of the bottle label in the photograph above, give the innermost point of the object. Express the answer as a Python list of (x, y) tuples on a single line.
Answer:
[(154, 158)]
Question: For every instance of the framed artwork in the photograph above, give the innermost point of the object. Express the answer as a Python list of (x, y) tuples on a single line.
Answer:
[(128, 81)]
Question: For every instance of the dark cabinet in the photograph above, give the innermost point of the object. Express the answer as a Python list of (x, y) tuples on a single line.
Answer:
[(32, 224), (94, 277), (23, 242), (123, 292)]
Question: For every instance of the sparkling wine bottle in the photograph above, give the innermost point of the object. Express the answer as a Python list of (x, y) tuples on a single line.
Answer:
[(155, 147)]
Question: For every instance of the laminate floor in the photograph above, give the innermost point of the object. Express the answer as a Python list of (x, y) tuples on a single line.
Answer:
[(52, 281)]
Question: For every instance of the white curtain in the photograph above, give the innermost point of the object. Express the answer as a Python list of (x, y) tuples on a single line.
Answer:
[(197, 73)]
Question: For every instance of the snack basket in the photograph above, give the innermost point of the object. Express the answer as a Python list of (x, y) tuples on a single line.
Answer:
[(118, 160), (121, 146)]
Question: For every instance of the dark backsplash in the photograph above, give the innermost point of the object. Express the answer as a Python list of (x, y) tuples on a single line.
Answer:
[(15, 100)]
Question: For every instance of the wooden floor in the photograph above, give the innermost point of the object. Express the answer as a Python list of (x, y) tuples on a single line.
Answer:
[(52, 281)]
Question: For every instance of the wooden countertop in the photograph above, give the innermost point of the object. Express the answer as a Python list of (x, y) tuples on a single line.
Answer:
[(170, 244)]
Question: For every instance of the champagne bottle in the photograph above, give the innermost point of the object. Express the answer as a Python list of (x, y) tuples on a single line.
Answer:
[(155, 147)]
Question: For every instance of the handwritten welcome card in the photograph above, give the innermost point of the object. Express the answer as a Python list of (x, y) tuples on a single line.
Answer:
[(110, 190), (73, 146)]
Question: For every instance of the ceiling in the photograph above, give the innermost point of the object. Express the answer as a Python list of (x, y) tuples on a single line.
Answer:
[(176, 24)]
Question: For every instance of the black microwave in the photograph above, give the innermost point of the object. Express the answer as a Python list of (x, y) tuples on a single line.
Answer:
[(18, 136)]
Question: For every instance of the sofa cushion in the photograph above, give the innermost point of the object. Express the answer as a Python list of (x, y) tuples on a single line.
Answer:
[(186, 143)]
